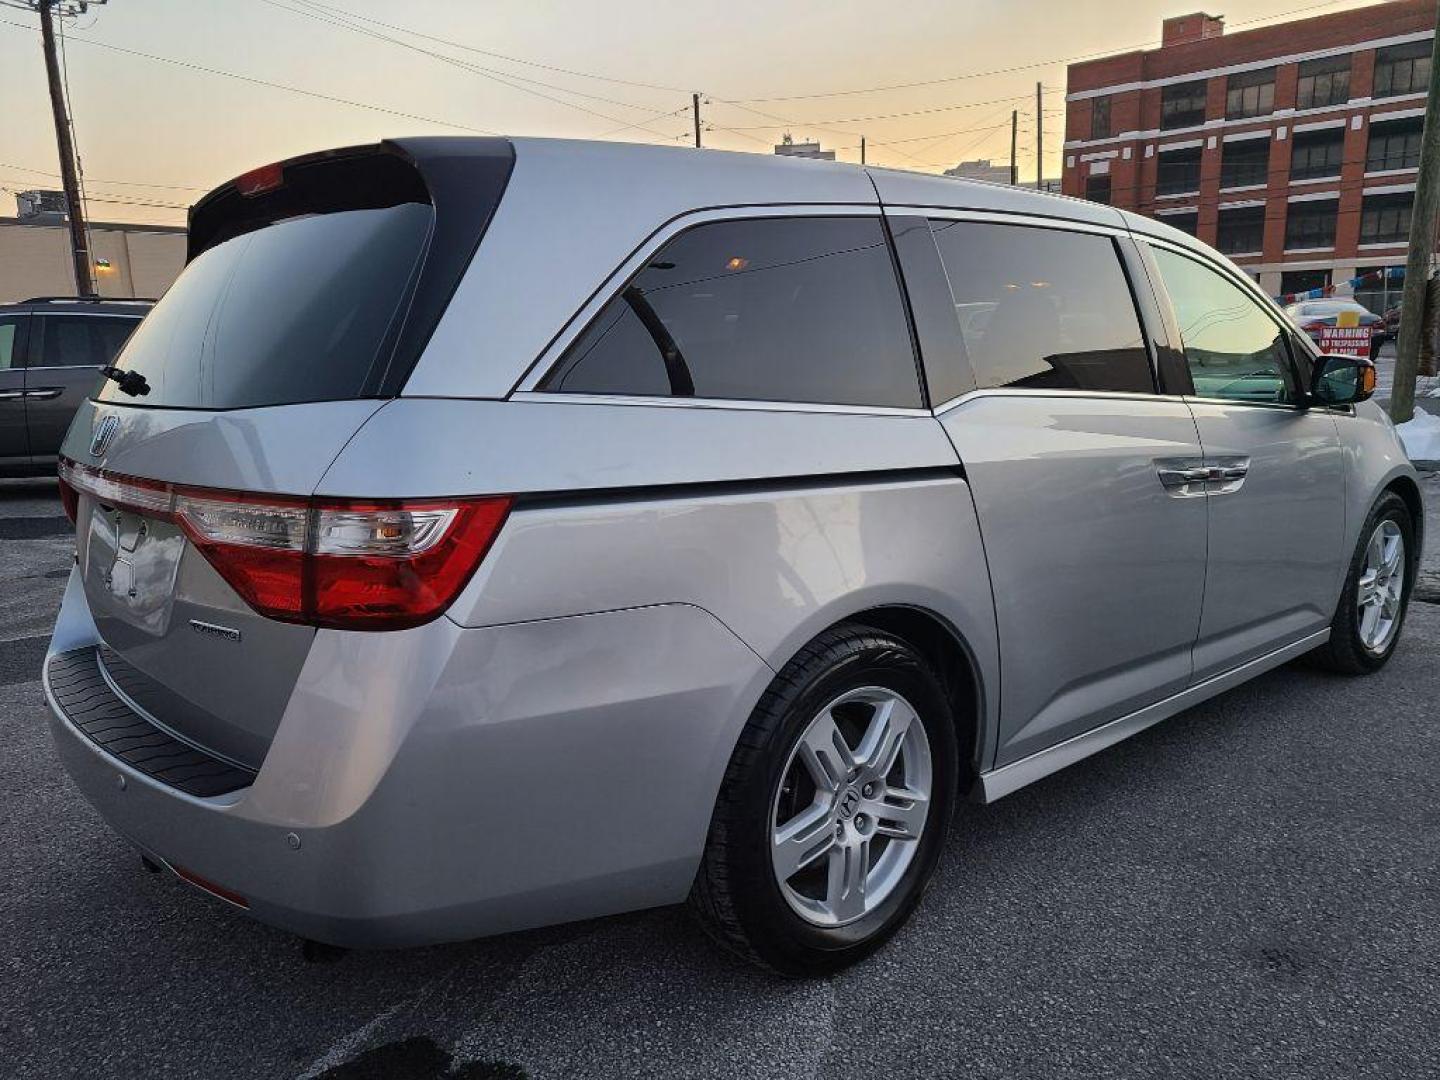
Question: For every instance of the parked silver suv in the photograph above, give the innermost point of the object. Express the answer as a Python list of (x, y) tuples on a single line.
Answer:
[(485, 533)]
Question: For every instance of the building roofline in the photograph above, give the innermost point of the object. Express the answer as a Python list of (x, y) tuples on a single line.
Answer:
[(109, 226), (1282, 34)]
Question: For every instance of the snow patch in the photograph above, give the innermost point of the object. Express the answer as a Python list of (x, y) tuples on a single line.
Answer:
[(1421, 436)]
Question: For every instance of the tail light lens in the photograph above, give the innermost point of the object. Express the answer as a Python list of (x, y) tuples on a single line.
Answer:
[(69, 501), (343, 563)]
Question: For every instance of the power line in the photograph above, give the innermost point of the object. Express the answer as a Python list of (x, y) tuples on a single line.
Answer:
[(497, 55), (1012, 69), (253, 81), (885, 116), (97, 180), (506, 79)]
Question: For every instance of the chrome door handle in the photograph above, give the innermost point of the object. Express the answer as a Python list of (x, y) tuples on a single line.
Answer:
[(1182, 477), (11, 395), (1227, 475), (45, 393), (1189, 477)]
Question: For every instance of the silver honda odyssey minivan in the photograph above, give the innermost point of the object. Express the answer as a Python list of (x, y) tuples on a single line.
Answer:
[(487, 533)]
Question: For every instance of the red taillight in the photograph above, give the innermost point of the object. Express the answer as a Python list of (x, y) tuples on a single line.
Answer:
[(258, 181), (344, 563), (70, 500), (230, 896)]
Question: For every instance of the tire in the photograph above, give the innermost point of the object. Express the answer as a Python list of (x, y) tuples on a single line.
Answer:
[(1347, 651), (808, 926)]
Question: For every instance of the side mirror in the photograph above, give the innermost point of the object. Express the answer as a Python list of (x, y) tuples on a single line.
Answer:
[(1342, 380)]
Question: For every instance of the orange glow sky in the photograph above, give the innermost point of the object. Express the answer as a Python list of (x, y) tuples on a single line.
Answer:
[(144, 121)]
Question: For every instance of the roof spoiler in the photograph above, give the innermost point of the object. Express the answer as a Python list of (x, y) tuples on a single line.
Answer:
[(90, 300)]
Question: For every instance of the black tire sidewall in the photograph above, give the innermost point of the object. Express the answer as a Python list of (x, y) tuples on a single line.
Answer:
[(788, 942)]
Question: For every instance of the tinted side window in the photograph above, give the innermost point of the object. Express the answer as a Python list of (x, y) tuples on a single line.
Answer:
[(1234, 349), (9, 332), (1043, 309), (80, 340), (765, 309)]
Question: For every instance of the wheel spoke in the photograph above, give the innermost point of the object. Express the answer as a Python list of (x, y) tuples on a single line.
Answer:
[(1394, 549), (902, 814), (884, 736), (845, 886), (825, 754), (1369, 618), (802, 840), (1369, 586)]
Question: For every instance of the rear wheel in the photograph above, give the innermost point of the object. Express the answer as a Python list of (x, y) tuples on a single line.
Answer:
[(1367, 623), (834, 808)]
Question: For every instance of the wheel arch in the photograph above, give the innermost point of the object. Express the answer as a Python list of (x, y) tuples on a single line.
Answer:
[(1409, 492), (947, 651)]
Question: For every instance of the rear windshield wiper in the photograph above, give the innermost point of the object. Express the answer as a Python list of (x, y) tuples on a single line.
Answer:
[(130, 382)]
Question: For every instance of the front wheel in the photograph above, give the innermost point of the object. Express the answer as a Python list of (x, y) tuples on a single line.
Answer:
[(834, 808), (1367, 623)]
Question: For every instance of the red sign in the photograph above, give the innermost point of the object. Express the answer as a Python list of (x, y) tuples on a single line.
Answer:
[(1345, 340)]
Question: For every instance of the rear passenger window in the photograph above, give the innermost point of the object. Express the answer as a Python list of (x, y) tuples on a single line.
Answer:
[(1043, 308), (765, 309), (81, 340)]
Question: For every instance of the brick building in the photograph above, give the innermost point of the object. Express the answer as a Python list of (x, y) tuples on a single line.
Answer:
[(1292, 148)]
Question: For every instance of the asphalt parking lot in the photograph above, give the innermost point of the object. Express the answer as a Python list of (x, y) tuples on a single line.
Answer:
[(1252, 888)]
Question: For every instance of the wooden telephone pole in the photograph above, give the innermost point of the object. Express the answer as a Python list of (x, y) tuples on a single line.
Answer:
[(1014, 138), (79, 243), (1039, 138)]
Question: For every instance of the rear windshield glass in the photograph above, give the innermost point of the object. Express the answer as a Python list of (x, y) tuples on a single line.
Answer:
[(297, 311)]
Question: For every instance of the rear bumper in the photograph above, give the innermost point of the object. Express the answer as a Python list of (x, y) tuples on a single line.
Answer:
[(444, 783)]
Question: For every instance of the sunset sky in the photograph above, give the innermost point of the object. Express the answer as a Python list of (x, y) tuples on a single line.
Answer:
[(152, 130)]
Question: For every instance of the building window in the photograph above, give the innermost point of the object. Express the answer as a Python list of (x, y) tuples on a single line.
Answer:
[(1241, 230), (1097, 188), (1395, 144), (1311, 224), (1178, 171), (1298, 281), (1100, 118), (1323, 82), (1317, 154), (1186, 223), (1250, 93), (1245, 163), (1182, 105), (1385, 219), (1402, 69)]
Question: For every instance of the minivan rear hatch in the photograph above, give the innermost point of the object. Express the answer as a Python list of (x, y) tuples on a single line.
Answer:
[(310, 289)]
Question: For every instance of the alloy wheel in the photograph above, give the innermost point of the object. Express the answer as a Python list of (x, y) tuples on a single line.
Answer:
[(851, 807), (1382, 587)]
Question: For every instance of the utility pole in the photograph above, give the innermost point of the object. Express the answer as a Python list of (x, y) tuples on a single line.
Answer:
[(695, 109), (862, 149), (1422, 246), (1014, 140), (1039, 138), (79, 246)]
